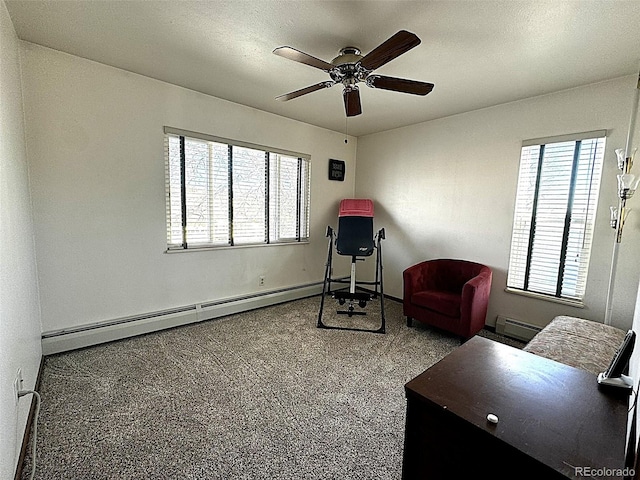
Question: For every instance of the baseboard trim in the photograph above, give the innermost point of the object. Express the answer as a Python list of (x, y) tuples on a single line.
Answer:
[(26, 437), (117, 329)]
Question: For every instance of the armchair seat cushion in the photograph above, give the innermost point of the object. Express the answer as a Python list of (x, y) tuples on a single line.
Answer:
[(446, 303)]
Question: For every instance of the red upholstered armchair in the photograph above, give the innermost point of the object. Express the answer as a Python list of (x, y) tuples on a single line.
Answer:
[(449, 294)]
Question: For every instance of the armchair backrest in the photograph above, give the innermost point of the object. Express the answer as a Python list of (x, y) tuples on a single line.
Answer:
[(450, 275)]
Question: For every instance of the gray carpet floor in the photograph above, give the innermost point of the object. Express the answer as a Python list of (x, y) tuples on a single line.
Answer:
[(259, 395)]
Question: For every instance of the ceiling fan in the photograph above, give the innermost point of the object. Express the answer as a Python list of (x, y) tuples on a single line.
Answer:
[(350, 68)]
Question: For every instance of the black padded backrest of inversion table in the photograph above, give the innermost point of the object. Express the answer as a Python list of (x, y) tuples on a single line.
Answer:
[(355, 236)]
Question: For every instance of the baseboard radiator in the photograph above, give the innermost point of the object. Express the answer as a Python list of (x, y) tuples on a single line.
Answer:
[(515, 328), (117, 329)]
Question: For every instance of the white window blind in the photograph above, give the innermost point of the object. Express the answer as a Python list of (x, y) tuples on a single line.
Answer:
[(286, 194), (248, 193), (555, 211), (220, 193)]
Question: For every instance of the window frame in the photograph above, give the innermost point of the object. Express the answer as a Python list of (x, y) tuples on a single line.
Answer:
[(517, 281), (303, 193)]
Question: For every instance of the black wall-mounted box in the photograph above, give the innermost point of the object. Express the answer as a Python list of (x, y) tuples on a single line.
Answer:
[(336, 169)]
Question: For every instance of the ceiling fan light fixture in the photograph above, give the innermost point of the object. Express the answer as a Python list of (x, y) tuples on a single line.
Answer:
[(347, 55)]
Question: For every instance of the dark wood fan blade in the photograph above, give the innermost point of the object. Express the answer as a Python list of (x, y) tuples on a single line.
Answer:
[(298, 56), (399, 84), (352, 101), (395, 46), (304, 91)]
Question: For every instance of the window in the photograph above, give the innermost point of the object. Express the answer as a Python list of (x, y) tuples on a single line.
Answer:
[(222, 193), (555, 212)]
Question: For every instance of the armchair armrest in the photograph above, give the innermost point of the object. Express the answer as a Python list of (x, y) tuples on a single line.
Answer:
[(475, 298), (416, 278)]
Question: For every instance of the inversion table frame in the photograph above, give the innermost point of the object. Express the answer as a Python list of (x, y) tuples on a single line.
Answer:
[(361, 243)]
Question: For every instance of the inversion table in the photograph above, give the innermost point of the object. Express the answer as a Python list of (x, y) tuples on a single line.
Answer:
[(355, 239)]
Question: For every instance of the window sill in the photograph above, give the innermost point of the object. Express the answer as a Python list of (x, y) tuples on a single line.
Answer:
[(232, 247), (547, 298)]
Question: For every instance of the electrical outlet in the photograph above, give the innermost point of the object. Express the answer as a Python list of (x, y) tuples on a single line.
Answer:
[(261, 280), (17, 383)]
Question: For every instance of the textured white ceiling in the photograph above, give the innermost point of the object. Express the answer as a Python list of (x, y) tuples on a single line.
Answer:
[(477, 53)]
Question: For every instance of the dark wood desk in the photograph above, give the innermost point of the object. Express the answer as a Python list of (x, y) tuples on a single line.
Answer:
[(552, 418)]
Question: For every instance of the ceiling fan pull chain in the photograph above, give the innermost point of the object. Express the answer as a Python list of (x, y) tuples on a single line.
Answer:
[(346, 119)]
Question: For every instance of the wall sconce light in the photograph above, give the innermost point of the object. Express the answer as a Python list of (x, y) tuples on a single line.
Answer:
[(614, 217), (627, 185)]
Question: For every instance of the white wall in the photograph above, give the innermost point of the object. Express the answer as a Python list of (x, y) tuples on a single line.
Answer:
[(19, 309), (634, 371), (446, 188), (95, 137)]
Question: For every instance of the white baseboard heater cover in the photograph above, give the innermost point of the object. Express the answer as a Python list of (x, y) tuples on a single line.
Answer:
[(515, 328), (117, 329)]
